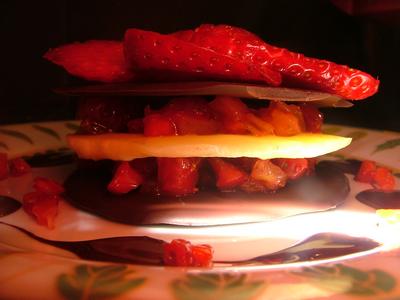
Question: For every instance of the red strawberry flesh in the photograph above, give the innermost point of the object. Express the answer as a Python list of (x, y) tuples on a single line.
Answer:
[(295, 68), (94, 60), (166, 57)]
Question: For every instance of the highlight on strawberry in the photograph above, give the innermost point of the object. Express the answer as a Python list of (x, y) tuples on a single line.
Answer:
[(209, 52)]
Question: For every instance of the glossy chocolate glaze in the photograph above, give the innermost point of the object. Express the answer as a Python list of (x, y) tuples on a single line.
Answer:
[(149, 251), (380, 199), (127, 249), (328, 249), (86, 189)]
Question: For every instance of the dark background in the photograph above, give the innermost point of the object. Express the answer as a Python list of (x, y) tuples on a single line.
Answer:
[(364, 38)]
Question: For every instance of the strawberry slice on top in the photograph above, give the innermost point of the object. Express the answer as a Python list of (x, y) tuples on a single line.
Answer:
[(169, 57), (296, 69), (94, 60)]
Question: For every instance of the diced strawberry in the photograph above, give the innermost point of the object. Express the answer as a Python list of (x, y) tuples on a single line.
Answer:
[(202, 255), (286, 119), (47, 186), (232, 112), (178, 176), (42, 207), (313, 118), (378, 177), (93, 60), (384, 179), (366, 172), (125, 179), (178, 253), (182, 253), (4, 168), (156, 124), (100, 115), (228, 175), (293, 167), (269, 174), (170, 58), (191, 115), (296, 68), (19, 167)]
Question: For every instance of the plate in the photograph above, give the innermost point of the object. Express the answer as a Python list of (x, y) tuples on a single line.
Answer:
[(343, 251)]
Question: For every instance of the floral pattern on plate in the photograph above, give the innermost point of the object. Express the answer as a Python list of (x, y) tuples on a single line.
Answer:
[(48, 272)]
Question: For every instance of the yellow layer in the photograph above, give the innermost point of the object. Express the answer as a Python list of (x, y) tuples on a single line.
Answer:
[(125, 147)]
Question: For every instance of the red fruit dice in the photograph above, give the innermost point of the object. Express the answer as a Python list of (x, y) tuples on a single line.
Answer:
[(19, 167), (366, 171), (167, 57), (93, 60), (268, 174), (228, 175), (178, 176), (125, 179), (47, 186), (156, 124), (293, 167), (295, 68), (4, 168), (182, 253), (178, 253), (191, 115), (103, 114), (384, 179), (232, 112), (378, 177), (202, 255), (313, 118), (42, 207)]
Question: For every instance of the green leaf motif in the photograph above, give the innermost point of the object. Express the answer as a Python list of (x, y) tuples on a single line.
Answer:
[(216, 286), (354, 281), (92, 282), (356, 135), (387, 145), (47, 130), (16, 134), (72, 126)]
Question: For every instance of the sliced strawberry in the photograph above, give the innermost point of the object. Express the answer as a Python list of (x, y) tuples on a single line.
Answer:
[(19, 167), (47, 186), (293, 167), (93, 60), (4, 168), (125, 179), (42, 207), (228, 175), (296, 68), (168, 58), (313, 118), (178, 176)]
